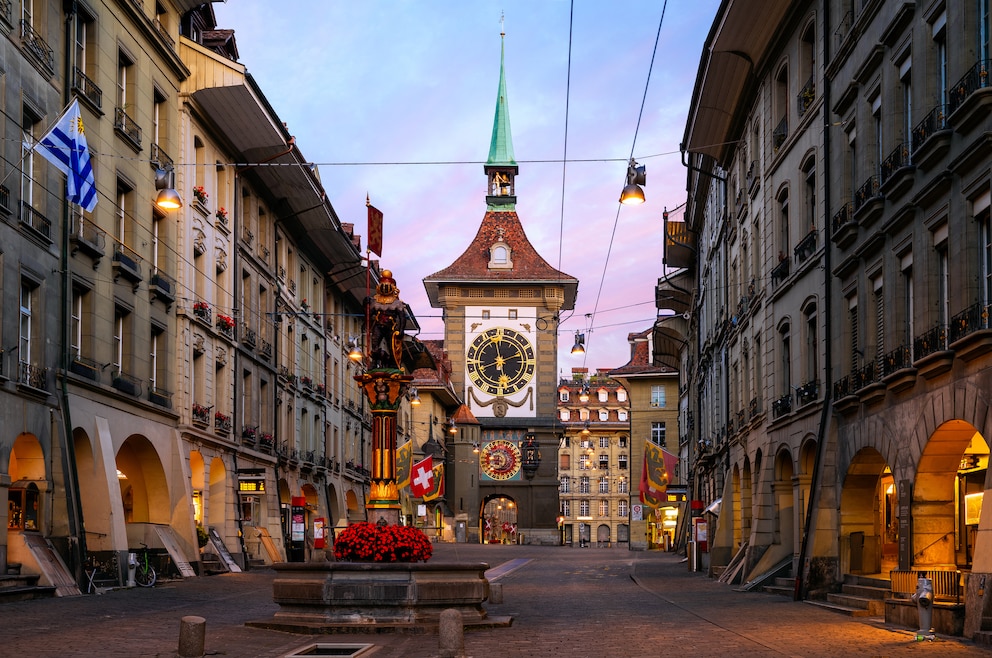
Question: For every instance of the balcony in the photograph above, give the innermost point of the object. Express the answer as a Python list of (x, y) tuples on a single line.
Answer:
[(127, 264), (127, 128), (87, 237), (843, 227), (931, 356), (265, 349), (126, 383), (226, 326), (164, 33), (969, 333), (897, 369), (867, 383), (806, 96), (781, 271), (163, 287), (248, 337), (203, 313), (87, 89), (4, 196), (971, 97), (37, 47), (754, 408), (222, 423), (806, 247), (931, 137), (868, 202), (894, 171), (752, 178), (782, 406), (780, 134), (32, 377), (160, 396), (249, 434), (160, 159), (37, 223), (200, 415), (680, 244), (266, 442), (808, 393)]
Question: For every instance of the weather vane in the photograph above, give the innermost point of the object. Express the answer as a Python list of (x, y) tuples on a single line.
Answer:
[(502, 32)]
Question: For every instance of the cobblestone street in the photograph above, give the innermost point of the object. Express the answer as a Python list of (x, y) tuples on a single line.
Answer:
[(564, 602)]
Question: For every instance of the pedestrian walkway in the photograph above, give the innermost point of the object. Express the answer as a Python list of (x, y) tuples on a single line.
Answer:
[(564, 601)]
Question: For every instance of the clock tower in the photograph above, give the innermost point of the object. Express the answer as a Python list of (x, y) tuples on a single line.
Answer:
[(502, 302)]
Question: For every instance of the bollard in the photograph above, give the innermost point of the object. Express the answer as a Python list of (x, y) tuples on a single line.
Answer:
[(495, 592), (450, 635), (923, 597), (192, 636)]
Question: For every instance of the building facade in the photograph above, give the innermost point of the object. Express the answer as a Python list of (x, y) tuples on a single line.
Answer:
[(851, 169)]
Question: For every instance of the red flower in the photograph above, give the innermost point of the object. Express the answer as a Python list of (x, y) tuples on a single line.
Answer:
[(364, 542)]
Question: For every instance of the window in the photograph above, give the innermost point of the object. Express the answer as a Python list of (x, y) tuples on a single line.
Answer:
[(159, 115), (658, 432), (622, 485), (584, 484), (604, 461), (486, 314), (812, 344), (583, 414), (157, 370), (623, 441), (622, 508), (566, 508), (120, 342), (604, 442), (76, 324), (604, 415), (584, 507), (564, 461), (879, 298), (906, 84), (565, 414), (622, 462), (511, 314), (852, 331), (26, 325), (604, 484), (563, 395), (876, 118), (783, 226), (809, 178), (622, 415), (658, 396), (565, 484), (585, 462), (984, 52), (621, 395), (603, 395), (30, 130), (940, 43), (604, 507)]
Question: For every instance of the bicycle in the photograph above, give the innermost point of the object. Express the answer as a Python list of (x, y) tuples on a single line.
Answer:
[(144, 573)]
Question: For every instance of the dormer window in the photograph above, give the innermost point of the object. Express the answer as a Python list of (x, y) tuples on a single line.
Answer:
[(500, 257)]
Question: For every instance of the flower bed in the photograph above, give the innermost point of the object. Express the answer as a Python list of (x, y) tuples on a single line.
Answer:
[(368, 542)]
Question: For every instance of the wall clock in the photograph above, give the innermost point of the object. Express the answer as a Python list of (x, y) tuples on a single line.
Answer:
[(500, 459), (500, 361)]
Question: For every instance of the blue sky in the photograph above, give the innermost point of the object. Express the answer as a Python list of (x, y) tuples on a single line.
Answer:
[(377, 91)]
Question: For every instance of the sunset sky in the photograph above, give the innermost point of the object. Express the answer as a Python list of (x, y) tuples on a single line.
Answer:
[(395, 99)]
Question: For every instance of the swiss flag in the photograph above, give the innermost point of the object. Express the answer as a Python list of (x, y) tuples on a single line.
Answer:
[(422, 477)]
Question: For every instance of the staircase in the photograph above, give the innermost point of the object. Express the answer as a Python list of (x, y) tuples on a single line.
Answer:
[(23, 587), (212, 564), (781, 586), (860, 596)]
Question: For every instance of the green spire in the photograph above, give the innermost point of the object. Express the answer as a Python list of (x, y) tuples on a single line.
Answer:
[(501, 146)]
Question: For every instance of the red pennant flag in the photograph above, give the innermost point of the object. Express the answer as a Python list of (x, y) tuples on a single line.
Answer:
[(422, 477), (657, 473), (375, 229)]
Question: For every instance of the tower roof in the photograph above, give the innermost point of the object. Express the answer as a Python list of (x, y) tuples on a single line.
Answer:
[(501, 145)]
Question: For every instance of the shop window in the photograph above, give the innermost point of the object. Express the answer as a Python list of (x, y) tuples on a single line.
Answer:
[(22, 506)]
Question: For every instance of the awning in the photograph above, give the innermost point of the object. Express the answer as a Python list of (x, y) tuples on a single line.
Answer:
[(714, 507)]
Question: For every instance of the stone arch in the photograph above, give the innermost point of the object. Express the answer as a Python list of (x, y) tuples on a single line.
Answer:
[(862, 525), (217, 493), (144, 486), (95, 494), (198, 483)]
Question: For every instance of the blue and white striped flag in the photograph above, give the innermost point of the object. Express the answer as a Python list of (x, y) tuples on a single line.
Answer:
[(65, 147)]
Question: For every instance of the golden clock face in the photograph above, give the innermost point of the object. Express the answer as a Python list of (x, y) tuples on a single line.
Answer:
[(500, 361), (500, 459)]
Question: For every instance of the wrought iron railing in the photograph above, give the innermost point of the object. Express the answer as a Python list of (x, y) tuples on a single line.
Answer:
[(754, 407), (976, 78), (84, 233), (806, 247), (87, 88), (160, 396), (970, 320), (898, 159), (128, 260), (35, 220), (931, 341), (164, 33), (200, 414), (843, 217), (844, 387), (160, 158), (934, 121), (866, 375), (126, 383), (127, 126), (781, 133), (248, 337), (222, 423), (33, 376), (163, 285), (37, 46), (781, 271), (806, 96), (782, 406), (896, 360), (265, 348), (203, 313), (867, 192), (808, 392), (4, 199)]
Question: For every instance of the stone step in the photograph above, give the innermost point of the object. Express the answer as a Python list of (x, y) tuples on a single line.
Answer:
[(785, 582), (982, 638), (18, 581), (874, 607), (780, 590), (867, 591), (841, 609), (11, 594), (870, 581)]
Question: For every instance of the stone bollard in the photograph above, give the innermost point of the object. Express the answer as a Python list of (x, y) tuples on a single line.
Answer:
[(450, 635), (192, 636), (495, 592)]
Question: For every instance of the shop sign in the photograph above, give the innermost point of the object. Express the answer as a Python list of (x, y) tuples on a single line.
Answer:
[(251, 485), (636, 512)]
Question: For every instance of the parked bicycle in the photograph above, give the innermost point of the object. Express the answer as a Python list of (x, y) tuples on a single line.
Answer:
[(144, 573)]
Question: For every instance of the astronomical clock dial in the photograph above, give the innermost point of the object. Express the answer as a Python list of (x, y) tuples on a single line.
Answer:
[(500, 361), (500, 459)]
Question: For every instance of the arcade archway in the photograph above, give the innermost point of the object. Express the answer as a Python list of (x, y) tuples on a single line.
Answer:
[(499, 520)]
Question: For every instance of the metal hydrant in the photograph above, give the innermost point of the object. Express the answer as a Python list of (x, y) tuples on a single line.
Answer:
[(923, 597), (132, 567)]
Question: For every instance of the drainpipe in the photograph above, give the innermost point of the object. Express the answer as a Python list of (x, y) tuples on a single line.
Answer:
[(802, 586), (74, 507)]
